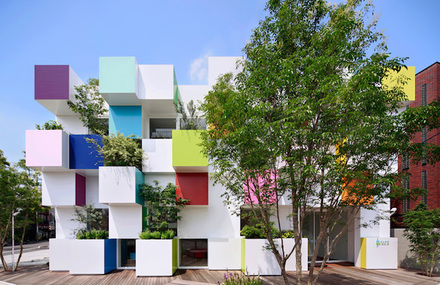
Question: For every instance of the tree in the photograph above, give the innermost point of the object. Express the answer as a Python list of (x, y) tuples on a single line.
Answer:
[(163, 205), (423, 234), (20, 192), (91, 107), (118, 150), (89, 217), (308, 118), (190, 120)]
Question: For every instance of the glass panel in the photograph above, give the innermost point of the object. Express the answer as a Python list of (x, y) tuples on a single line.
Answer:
[(128, 253), (193, 252), (162, 128)]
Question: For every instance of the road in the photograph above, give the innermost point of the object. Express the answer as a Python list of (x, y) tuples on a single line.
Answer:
[(33, 253)]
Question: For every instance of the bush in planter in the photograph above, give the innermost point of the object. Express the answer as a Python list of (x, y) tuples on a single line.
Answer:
[(256, 231), (287, 234), (93, 234), (119, 150), (49, 125), (168, 234)]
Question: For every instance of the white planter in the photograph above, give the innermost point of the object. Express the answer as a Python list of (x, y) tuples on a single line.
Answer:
[(120, 185), (59, 254), (156, 257), (379, 253), (260, 261), (224, 253), (93, 256)]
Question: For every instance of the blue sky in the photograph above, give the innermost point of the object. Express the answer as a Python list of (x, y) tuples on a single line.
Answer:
[(179, 32)]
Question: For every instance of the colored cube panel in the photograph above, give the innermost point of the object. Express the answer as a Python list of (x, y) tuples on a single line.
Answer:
[(187, 155), (51, 82), (63, 189), (394, 77), (47, 149), (117, 74), (120, 185), (126, 120), (193, 186), (83, 154)]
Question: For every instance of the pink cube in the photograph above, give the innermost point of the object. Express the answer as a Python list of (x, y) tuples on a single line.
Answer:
[(47, 148)]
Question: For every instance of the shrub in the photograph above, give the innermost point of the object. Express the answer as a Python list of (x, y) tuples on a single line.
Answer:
[(119, 150), (240, 279), (49, 125), (257, 231), (93, 234), (287, 234), (169, 234)]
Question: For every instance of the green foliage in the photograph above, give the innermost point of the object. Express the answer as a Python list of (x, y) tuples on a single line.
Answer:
[(91, 107), (168, 234), (119, 150), (190, 120), (423, 234), (240, 279), (309, 107), (90, 218), (287, 234), (19, 192), (92, 234), (49, 125), (257, 231), (162, 204)]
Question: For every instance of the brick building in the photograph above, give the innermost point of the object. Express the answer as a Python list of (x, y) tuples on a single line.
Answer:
[(422, 174)]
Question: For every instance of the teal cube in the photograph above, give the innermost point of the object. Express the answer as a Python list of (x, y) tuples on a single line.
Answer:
[(126, 120), (117, 75)]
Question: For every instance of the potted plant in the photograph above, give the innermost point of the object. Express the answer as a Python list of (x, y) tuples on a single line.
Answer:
[(92, 252), (259, 260), (156, 250)]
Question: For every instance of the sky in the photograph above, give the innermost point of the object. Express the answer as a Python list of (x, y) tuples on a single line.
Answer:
[(179, 32)]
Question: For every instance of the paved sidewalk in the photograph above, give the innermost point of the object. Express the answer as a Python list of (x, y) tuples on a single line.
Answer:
[(33, 253)]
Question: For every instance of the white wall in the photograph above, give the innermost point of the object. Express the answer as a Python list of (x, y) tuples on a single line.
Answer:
[(92, 192), (58, 189), (193, 92), (285, 220), (60, 254), (159, 154), (163, 178), (156, 81), (214, 220), (117, 184), (72, 124), (125, 221), (65, 227)]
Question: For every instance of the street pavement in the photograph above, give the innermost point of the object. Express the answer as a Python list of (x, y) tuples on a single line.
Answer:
[(33, 253)]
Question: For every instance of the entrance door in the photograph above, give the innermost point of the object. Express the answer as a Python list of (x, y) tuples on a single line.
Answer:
[(311, 228), (127, 253)]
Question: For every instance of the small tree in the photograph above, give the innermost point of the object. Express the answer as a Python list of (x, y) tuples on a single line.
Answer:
[(162, 204), (20, 193), (119, 150), (190, 120), (423, 234), (89, 217), (91, 107)]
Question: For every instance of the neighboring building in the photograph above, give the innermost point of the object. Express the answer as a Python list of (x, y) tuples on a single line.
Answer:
[(141, 102), (422, 174)]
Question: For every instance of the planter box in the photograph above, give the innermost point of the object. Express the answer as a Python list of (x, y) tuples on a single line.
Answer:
[(379, 253), (60, 254), (92, 256), (120, 185), (260, 261), (156, 257)]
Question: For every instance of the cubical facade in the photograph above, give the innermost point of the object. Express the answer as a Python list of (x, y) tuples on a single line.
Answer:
[(141, 102)]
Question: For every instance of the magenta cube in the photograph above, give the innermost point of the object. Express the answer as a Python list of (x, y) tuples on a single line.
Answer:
[(51, 82)]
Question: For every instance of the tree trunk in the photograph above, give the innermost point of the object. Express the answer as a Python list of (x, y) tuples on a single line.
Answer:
[(284, 274), (4, 263), (298, 245), (22, 240)]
